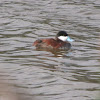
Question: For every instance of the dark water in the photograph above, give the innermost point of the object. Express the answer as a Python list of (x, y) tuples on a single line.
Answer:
[(50, 75)]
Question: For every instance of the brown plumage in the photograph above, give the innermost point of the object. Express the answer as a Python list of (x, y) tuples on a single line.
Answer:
[(51, 43)]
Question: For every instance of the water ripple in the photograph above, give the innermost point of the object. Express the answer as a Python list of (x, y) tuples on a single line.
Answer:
[(50, 74)]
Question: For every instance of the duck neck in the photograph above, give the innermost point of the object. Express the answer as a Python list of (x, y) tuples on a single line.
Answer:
[(58, 39)]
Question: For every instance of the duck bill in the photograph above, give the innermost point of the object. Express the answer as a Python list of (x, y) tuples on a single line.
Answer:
[(69, 39)]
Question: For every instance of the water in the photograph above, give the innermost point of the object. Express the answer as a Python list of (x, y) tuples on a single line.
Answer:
[(44, 74)]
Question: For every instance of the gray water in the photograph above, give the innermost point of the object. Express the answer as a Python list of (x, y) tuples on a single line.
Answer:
[(51, 75)]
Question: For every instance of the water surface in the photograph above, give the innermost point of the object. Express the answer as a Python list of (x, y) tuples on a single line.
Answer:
[(51, 75)]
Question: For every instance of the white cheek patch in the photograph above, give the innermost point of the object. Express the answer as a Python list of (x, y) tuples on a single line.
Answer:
[(63, 38)]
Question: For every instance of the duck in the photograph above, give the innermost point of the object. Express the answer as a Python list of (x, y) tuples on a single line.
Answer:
[(61, 41)]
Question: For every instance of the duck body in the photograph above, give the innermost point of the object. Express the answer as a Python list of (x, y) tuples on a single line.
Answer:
[(59, 42)]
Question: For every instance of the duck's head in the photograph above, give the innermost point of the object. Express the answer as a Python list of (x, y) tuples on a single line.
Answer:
[(63, 36)]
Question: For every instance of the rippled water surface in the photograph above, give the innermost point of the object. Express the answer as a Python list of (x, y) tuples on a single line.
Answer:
[(51, 75)]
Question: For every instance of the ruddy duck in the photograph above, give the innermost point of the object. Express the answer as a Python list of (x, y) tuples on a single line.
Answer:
[(61, 41)]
